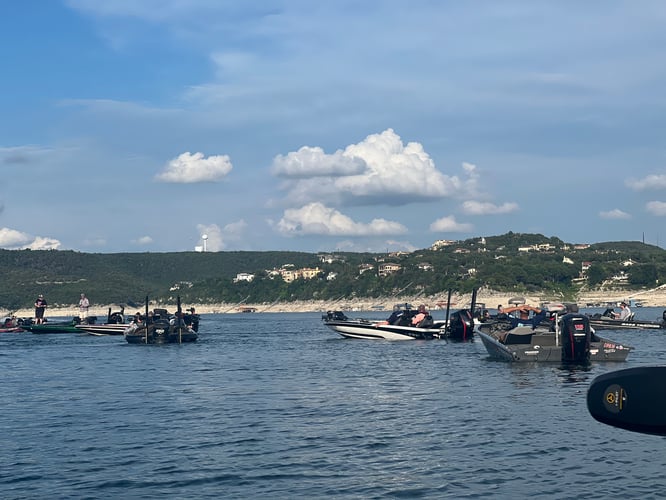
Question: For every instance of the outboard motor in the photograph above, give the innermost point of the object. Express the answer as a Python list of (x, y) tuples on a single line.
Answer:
[(329, 316), (576, 336), (663, 316), (461, 325)]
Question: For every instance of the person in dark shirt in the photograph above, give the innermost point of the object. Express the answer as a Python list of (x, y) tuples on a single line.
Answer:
[(40, 307)]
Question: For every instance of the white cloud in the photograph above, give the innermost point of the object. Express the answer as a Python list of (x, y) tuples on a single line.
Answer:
[(484, 208), (650, 182), (316, 218), (189, 168), (215, 242), (313, 162), (450, 225), (656, 207), (400, 245), (144, 240), (219, 238), (378, 170), (42, 243), (616, 213), (13, 239), (374, 246)]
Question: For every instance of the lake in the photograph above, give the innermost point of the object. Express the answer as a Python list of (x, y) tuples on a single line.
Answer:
[(276, 405)]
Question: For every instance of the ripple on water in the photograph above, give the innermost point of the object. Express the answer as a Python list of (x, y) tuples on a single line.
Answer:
[(277, 406)]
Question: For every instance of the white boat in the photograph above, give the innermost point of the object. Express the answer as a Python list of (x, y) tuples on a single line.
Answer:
[(364, 329), (462, 328), (104, 329)]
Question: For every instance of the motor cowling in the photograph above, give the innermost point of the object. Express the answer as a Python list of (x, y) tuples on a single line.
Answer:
[(576, 336), (461, 325)]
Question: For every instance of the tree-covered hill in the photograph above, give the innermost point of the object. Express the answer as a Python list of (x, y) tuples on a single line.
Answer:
[(510, 262)]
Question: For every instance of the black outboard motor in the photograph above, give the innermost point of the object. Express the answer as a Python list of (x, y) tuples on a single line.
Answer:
[(331, 316), (663, 316), (576, 337), (461, 325)]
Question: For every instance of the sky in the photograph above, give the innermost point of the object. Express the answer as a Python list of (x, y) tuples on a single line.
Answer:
[(374, 125)]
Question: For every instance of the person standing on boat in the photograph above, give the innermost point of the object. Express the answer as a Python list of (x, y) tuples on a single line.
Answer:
[(624, 313), (84, 305), (40, 307)]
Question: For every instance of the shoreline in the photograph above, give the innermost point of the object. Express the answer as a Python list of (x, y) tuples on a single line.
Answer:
[(648, 298)]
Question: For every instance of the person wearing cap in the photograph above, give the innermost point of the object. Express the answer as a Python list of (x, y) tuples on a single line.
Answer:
[(624, 313), (40, 306)]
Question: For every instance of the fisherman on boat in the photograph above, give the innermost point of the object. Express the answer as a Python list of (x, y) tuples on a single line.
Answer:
[(624, 313), (523, 318), (422, 318)]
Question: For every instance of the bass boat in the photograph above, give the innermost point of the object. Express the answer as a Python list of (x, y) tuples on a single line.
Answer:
[(606, 322), (459, 327), (160, 327), (53, 327), (564, 339)]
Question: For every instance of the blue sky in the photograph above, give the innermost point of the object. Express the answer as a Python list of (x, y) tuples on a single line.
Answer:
[(135, 126)]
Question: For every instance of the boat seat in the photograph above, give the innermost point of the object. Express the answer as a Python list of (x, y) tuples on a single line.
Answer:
[(519, 335)]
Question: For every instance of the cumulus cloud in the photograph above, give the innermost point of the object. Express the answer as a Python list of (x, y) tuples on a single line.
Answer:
[(656, 207), (378, 170), (219, 238), (616, 213), (313, 162), (484, 208), (651, 182), (144, 240), (42, 243), (14, 240), (316, 218), (190, 168), (450, 225), (374, 246)]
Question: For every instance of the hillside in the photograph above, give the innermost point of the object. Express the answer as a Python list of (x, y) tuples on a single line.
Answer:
[(514, 262)]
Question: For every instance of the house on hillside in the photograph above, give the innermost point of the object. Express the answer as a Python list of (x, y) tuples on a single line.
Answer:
[(365, 267), (388, 268), (244, 277), (306, 273), (439, 244)]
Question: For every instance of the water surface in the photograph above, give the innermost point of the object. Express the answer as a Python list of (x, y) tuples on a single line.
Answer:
[(278, 406)]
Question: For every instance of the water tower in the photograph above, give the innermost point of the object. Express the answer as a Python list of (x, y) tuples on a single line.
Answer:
[(204, 237)]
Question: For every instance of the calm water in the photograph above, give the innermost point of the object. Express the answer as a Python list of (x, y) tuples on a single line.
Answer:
[(278, 406)]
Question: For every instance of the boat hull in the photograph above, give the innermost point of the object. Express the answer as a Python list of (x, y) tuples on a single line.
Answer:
[(160, 334), (618, 324), (539, 351), (100, 330), (52, 328), (358, 329), (15, 329)]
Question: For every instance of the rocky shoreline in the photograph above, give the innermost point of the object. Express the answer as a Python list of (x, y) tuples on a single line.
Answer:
[(648, 298)]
